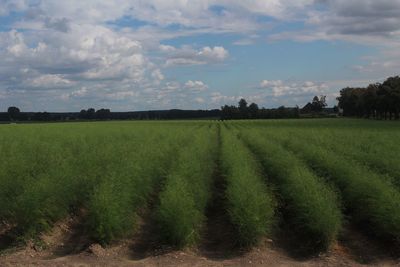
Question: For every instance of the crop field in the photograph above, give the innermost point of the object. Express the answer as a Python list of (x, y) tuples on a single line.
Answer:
[(309, 186)]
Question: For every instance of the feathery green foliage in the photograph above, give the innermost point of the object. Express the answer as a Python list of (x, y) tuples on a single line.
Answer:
[(250, 204), (187, 189), (311, 207), (371, 201)]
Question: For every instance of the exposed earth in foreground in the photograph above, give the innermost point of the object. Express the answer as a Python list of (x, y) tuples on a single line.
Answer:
[(65, 245)]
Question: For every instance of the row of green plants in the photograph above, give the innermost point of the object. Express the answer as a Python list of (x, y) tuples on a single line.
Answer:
[(250, 203), (310, 207), (306, 170), (36, 180), (45, 174), (380, 157), (371, 201), (114, 204), (187, 189)]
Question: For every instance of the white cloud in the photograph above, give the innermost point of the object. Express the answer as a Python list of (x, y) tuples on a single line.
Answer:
[(367, 22), (268, 83), (279, 88), (50, 81), (217, 98), (78, 50), (216, 53), (199, 100), (195, 86), (12, 5), (187, 55), (246, 41)]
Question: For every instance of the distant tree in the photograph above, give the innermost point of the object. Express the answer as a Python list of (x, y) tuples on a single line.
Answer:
[(229, 112), (103, 114), (378, 100), (318, 103), (392, 96), (13, 113), (253, 110), (90, 113), (243, 109), (83, 114)]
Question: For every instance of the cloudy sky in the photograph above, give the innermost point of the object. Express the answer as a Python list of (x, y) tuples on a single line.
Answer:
[(157, 54)]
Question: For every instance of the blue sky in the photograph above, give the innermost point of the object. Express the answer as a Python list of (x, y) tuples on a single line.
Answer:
[(200, 54)]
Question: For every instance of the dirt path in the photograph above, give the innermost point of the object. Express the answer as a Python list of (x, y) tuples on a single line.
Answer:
[(218, 239)]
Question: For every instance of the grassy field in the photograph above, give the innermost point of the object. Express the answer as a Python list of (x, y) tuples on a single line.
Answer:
[(310, 177)]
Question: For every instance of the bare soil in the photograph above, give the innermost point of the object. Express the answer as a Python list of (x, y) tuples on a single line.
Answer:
[(121, 254), (67, 245)]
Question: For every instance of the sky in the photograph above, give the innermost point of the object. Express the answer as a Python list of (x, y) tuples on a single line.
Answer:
[(131, 55)]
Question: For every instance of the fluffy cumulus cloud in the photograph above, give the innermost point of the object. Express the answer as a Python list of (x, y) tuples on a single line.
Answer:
[(67, 55), (72, 51), (365, 22), (359, 17), (356, 20), (274, 93), (279, 88), (187, 55), (86, 56), (195, 85)]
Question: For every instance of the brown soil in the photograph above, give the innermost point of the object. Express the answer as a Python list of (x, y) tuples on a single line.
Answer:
[(219, 235), (67, 245), (120, 255), (146, 241), (365, 249)]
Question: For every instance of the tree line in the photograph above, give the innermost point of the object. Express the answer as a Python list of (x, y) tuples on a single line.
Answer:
[(252, 111), (227, 112), (15, 114), (378, 100)]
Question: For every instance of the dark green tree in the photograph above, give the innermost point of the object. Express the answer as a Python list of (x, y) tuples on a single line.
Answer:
[(243, 109), (253, 110), (318, 103), (13, 113)]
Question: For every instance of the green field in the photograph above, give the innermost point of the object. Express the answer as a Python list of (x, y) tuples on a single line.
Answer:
[(312, 177)]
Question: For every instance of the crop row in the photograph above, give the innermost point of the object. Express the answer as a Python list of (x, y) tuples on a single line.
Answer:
[(187, 189), (251, 205), (382, 158), (109, 174), (310, 207), (370, 200)]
